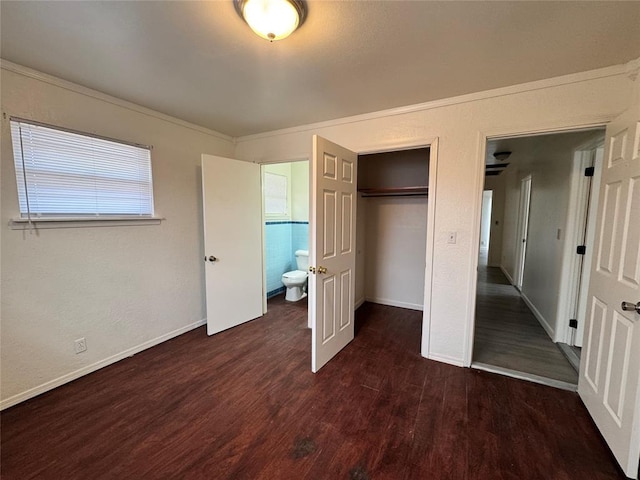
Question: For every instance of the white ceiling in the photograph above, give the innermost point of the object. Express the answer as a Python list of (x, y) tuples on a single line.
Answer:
[(199, 62)]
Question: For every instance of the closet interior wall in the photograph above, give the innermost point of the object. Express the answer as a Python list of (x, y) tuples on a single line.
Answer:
[(392, 228)]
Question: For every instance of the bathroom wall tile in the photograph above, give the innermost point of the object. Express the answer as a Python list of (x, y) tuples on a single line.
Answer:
[(282, 239), (299, 238), (278, 252)]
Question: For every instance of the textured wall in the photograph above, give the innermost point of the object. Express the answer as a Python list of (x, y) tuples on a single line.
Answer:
[(122, 288), (396, 229), (458, 125)]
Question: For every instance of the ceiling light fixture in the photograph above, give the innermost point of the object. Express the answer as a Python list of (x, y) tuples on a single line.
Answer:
[(501, 156), (272, 19)]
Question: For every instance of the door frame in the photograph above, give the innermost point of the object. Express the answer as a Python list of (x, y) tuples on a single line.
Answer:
[(582, 211), (482, 139), (483, 217), (432, 145), (264, 219), (522, 238)]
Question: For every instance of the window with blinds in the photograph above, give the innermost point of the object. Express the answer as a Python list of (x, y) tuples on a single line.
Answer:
[(60, 173), (275, 194)]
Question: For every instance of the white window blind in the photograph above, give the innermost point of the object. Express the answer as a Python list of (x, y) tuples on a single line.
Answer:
[(66, 174), (275, 197)]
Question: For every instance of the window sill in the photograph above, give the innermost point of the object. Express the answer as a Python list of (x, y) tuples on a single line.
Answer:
[(62, 222)]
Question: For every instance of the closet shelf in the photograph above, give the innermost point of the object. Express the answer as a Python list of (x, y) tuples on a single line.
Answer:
[(419, 191)]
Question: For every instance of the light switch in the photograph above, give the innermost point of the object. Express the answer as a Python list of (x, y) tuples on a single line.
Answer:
[(452, 238)]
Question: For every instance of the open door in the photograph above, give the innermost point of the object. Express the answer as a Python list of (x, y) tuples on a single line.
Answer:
[(610, 367), (523, 229), (232, 214), (332, 254)]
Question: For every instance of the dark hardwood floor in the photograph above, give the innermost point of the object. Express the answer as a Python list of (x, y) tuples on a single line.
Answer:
[(244, 405), (508, 335)]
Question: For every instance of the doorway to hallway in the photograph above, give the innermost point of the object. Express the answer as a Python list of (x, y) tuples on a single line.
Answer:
[(527, 293)]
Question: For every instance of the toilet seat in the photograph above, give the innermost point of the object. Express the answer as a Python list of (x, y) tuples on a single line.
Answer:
[(295, 275)]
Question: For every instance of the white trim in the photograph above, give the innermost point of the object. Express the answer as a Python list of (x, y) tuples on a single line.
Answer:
[(590, 75), (571, 356), (287, 159), (529, 377), (425, 347), (470, 325), (54, 222), (538, 315), (445, 359), (584, 122), (50, 385), (506, 274), (359, 303), (394, 303), (89, 92), (522, 229), (577, 213), (432, 144)]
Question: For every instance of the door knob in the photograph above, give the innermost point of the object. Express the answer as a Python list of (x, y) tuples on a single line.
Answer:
[(322, 270), (212, 258), (630, 307)]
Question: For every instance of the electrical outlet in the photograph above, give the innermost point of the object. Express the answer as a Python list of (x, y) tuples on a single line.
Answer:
[(452, 238), (80, 345)]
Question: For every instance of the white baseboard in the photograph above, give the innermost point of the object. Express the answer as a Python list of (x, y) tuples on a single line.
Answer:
[(359, 303), (57, 382), (393, 303), (506, 274), (536, 313), (446, 359)]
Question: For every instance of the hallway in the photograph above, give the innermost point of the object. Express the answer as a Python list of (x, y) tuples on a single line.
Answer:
[(509, 337)]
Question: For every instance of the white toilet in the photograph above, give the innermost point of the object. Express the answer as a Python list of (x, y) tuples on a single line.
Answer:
[(296, 280)]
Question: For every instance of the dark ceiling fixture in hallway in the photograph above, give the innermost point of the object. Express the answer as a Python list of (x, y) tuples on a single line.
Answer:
[(502, 156)]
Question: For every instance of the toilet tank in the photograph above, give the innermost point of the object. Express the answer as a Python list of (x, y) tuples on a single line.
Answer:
[(302, 259)]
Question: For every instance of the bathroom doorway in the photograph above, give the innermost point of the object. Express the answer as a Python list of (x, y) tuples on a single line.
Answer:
[(285, 209)]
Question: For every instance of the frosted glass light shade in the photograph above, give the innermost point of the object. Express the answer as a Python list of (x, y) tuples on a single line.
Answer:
[(271, 19)]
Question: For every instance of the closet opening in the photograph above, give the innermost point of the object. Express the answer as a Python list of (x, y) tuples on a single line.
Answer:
[(391, 240)]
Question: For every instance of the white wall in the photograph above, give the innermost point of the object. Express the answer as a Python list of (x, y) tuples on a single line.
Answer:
[(122, 288), (496, 185), (300, 191), (395, 230), (460, 126), (549, 161)]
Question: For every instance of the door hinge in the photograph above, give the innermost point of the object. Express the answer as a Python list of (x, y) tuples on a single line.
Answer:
[(581, 249), (573, 323), (588, 172)]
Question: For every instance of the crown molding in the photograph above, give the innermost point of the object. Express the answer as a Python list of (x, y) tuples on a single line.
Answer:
[(74, 87), (612, 71), (633, 69)]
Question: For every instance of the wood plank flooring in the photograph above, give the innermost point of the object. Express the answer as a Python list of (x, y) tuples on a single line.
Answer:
[(244, 405), (508, 335)]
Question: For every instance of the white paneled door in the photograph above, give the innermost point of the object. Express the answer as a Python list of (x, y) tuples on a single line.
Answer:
[(332, 253), (610, 367), (232, 206)]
